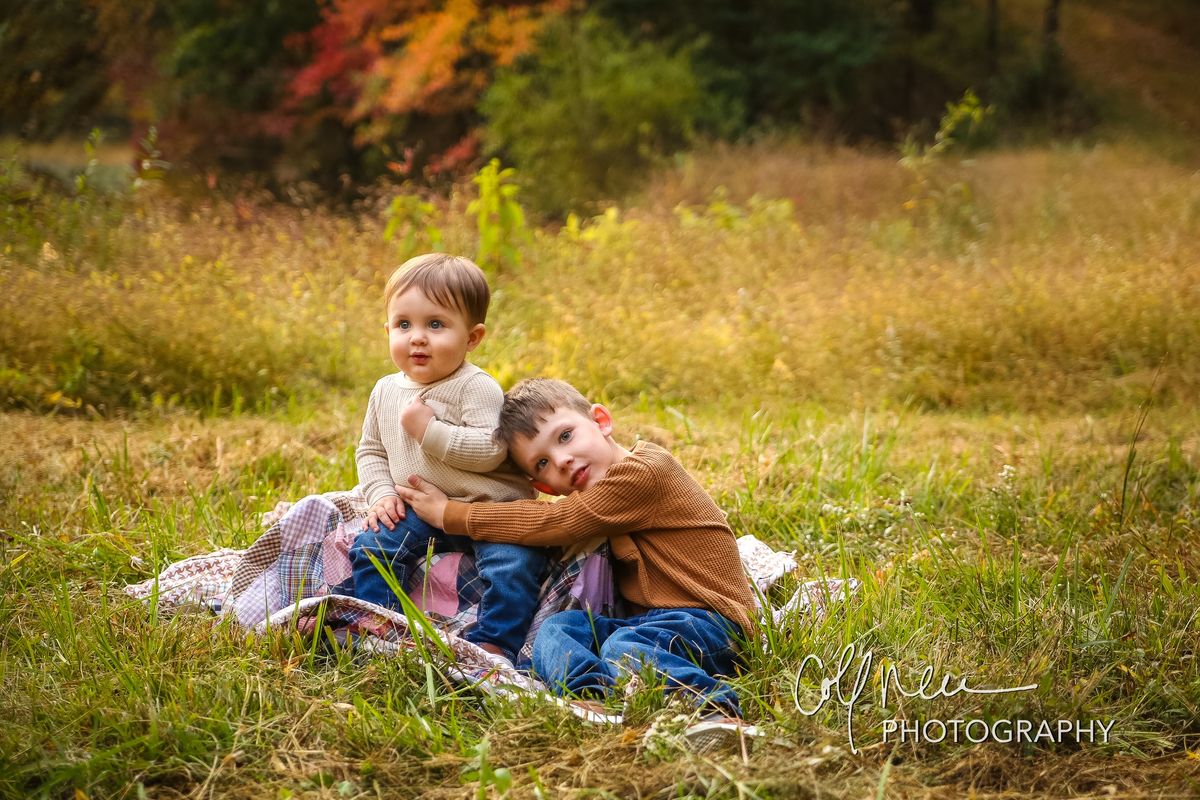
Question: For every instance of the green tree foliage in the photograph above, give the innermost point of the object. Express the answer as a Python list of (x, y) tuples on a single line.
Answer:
[(51, 67), (862, 68), (591, 112), (225, 75), (782, 60), (234, 52)]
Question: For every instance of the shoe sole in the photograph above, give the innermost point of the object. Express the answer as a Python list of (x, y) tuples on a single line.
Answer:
[(707, 737)]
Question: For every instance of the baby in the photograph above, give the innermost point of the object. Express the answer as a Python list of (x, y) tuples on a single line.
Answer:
[(435, 418)]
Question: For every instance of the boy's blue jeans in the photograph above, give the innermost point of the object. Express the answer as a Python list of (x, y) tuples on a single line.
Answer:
[(577, 653), (511, 576)]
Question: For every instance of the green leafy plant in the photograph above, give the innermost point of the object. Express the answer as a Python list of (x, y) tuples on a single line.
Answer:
[(499, 218), (938, 198), (414, 219), (151, 168), (966, 125), (480, 769)]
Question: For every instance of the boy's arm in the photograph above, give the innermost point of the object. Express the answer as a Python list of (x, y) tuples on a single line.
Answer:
[(374, 475), (470, 446), (623, 502)]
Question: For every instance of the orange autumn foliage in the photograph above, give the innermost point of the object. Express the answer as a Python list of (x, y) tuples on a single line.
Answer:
[(381, 58)]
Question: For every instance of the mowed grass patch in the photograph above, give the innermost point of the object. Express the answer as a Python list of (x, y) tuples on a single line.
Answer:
[(1008, 548)]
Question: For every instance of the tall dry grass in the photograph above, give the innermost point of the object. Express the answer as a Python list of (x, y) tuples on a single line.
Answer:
[(1072, 282), (1031, 279)]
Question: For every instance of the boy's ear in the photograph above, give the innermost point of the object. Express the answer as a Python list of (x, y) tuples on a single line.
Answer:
[(603, 419), (475, 335), (541, 487)]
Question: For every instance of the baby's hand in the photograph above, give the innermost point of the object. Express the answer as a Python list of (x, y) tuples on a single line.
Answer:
[(415, 418), (389, 510)]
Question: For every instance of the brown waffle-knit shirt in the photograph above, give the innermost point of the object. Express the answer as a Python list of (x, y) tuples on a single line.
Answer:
[(671, 545)]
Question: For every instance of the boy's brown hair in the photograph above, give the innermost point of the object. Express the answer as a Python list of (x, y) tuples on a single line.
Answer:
[(450, 281), (530, 402)]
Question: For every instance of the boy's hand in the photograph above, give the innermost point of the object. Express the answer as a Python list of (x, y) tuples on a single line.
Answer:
[(426, 499), (415, 418), (389, 510)]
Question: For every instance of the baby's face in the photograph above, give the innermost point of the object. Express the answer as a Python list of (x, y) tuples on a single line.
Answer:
[(570, 451), (428, 341)]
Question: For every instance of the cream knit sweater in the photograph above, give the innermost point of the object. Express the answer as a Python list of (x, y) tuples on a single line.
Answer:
[(457, 454)]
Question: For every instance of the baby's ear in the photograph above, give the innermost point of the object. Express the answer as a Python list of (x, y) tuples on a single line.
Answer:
[(475, 335), (541, 487)]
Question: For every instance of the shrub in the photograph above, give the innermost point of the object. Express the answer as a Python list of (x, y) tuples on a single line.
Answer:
[(591, 113)]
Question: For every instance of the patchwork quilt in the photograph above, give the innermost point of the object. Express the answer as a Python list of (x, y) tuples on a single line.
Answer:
[(284, 579)]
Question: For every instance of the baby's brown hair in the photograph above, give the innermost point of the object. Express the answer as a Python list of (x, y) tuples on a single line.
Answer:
[(450, 281)]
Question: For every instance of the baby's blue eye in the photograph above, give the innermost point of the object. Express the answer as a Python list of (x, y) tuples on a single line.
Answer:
[(540, 465), (565, 436), (435, 324), (404, 325)]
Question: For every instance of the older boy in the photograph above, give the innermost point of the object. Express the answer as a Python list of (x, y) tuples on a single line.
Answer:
[(436, 417), (675, 558)]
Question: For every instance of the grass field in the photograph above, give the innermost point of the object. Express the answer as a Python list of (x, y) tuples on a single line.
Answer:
[(1071, 570), (971, 388)]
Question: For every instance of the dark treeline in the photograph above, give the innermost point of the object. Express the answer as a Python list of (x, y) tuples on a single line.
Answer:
[(343, 91)]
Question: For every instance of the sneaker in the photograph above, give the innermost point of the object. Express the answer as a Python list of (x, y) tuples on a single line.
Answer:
[(589, 710), (715, 731)]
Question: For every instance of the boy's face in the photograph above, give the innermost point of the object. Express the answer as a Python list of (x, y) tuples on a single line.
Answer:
[(428, 341), (570, 451)]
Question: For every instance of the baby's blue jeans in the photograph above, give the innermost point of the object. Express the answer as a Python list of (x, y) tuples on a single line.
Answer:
[(510, 574)]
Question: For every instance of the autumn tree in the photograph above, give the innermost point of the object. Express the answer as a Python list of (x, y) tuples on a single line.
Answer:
[(406, 75)]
